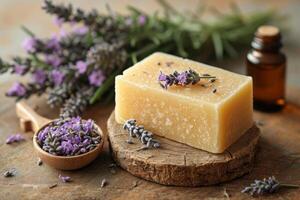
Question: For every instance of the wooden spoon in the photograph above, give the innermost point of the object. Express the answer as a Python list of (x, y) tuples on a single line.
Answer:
[(31, 121)]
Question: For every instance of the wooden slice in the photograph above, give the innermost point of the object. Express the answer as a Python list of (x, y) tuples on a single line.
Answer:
[(181, 165)]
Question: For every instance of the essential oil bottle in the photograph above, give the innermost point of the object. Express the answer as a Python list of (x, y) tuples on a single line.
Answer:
[(267, 66)]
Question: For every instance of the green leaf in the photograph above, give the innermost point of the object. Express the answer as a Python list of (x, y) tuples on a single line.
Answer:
[(218, 46), (230, 49), (26, 30)]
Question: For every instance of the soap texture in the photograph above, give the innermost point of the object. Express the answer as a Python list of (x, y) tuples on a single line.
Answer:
[(193, 114)]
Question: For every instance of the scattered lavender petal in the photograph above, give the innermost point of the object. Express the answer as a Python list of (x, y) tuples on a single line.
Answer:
[(53, 186), (65, 179), (14, 138), (103, 183), (10, 173), (39, 162)]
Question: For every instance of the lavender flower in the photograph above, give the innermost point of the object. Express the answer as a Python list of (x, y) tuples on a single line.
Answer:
[(29, 44), (58, 21), (96, 78), (62, 34), (14, 138), (57, 77), (53, 59), (39, 76), (128, 21), (81, 66), (267, 185), (65, 179), (53, 43), (142, 20), (17, 89), (81, 30), (20, 69), (183, 78), (69, 137)]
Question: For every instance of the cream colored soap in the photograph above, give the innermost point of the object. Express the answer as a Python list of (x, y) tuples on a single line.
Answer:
[(192, 115)]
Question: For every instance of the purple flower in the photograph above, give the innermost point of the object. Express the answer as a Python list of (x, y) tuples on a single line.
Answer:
[(142, 20), (128, 21), (162, 77), (88, 126), (53, 43), (58, 21), (39, 76), (17, 89), (29, 44), (182, 78), (96, 78), (14, 138), (81, 66), (65, 179), (57, 77), (67, 147), (20, 69), (62, 33), (53, 59), (81, 30)]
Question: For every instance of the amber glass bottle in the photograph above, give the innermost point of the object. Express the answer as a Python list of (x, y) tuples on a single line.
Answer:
[(267, 66)]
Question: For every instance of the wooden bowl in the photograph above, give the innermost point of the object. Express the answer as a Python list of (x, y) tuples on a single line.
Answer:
[(68, 162), (30, 120)]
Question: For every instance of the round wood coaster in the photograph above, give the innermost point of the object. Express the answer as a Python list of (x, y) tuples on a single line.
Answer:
[(181, 165)]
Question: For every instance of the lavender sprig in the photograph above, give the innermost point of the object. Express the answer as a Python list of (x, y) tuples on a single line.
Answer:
[(184, 78), (267, 185), (138, 131)]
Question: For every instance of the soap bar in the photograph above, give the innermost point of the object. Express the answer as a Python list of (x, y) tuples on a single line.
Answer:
[(192, 114)]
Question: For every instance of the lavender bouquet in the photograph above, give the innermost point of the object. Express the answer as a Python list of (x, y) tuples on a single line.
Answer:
[(77, 68)]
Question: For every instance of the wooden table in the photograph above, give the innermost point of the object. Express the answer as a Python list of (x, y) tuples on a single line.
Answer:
[(279, 152)]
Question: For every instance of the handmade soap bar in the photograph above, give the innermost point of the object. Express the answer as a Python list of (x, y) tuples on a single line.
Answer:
[(192, 114)]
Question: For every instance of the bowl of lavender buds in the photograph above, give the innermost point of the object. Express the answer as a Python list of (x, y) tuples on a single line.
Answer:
[(69, 143)]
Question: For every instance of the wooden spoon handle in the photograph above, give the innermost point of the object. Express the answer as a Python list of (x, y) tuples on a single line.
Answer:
[(29, 119)]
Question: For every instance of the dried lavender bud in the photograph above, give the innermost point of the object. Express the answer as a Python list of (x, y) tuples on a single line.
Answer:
[(76, 103), (107, 57), (39, 162), (184, 78), (267, 185), (103, 183), (65, 179), (14, 138), (59, 95), (138, 131), (53, 186), (10, 173), (69, 137)]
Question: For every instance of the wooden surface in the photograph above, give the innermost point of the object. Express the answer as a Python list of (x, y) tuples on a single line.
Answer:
[(278, 154), (279, 149), (179, 164)]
